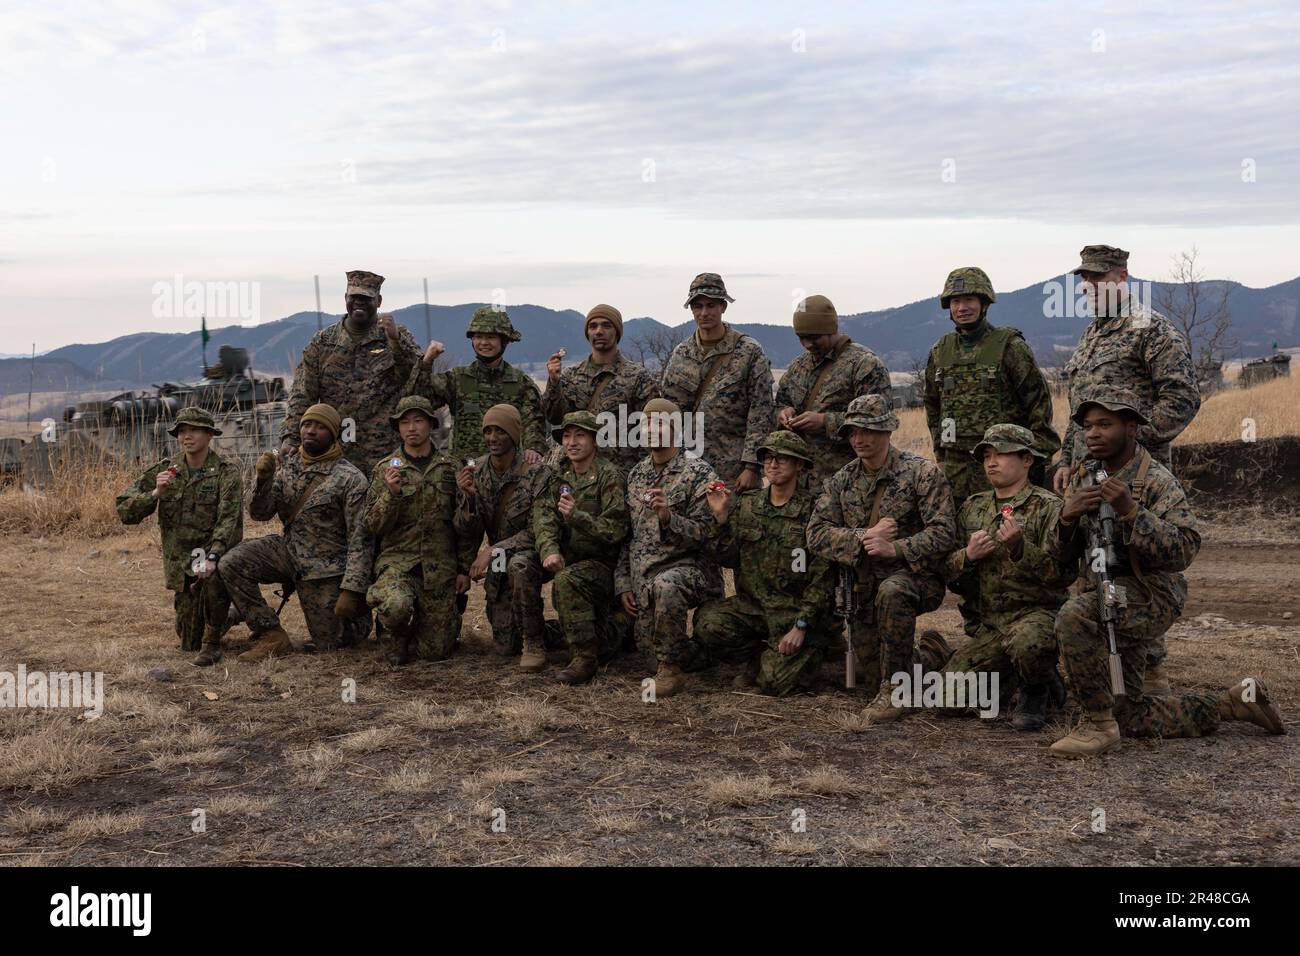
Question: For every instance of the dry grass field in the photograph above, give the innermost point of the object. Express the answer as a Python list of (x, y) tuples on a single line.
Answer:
[(431, 759)]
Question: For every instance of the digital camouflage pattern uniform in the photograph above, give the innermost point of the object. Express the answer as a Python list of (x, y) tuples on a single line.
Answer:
[(666, 568), (1139, 350), (470, 390), (777, 583), (827, 386), (1014, 600), (729, 382), (590, 542), (201, 512), (1152, 549), (601, 389), (888, 595), (324, 550), (979, 377), (419, 552), (361, 375), (502, 508)]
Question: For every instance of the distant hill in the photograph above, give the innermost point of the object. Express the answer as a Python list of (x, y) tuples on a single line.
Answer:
[(900, 335)]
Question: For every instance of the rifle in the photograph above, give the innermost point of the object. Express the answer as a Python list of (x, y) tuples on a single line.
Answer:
[(845, 595), (1101, 551)]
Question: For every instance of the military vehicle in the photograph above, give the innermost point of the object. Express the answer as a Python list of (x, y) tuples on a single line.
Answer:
[(131, 428), (1263, 370)]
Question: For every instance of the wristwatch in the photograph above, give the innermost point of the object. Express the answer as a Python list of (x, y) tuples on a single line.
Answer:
[(801, 624)]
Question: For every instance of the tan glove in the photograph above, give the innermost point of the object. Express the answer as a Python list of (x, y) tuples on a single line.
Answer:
[(350, 604), (265, 466)]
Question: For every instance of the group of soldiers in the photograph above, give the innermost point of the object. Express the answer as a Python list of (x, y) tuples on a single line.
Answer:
[(798, 489)]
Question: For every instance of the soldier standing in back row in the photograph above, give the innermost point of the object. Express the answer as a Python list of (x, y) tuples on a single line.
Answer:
[(602, 383), (816, 389), (359, 367), (980, 375), (1127, 345), (725, 377), (470, 390), (199, 499)]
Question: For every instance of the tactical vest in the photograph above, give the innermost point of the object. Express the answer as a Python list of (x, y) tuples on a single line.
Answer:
[(474, 397), (973, 390)]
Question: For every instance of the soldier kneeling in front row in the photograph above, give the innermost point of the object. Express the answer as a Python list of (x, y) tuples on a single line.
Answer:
[(1154, 539)]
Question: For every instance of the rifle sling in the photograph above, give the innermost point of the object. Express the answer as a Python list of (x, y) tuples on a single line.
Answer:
[(811, 396), (298, 505), (718, 362)]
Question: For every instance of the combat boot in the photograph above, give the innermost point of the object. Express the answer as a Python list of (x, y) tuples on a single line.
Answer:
[(534, 655), (668, 679), (934, 651), (1261, 711), (748, 677), (211, 651), (272, 643), (1096, 733), (1155, 682), (881, 710), (398, 651), (580, 670), (1031, 707)]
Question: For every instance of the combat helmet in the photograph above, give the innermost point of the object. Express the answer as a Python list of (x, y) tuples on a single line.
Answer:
[(489, 318), (968, 280)]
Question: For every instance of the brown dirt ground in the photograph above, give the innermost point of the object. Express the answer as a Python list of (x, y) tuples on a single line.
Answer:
[(412, 772)]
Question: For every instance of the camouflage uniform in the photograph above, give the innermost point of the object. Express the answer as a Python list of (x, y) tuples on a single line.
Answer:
[(777, 583), (470, 390), (602, 389), (1014, 600), (420, 553), (1152, 548), (502, 507), (324, 550), (665, 568), (827, 386), (888, 595), (979, 377), (200, 512), (584, 588), (1139, 350), (362, 376)]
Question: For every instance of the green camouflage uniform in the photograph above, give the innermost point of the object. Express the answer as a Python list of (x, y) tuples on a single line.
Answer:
[(200, 512), (847, 371), (583, 589), (735, 402), (888, 594), (362, 376), (324, 550), (777, 583), (420, 553), (502, 508), (602, 389), (1014, 600), (665, 568), (1160, 542), (470, 390)]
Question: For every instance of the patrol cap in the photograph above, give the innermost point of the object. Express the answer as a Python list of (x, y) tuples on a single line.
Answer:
[(1101, 259), (710, 285), (869, 411), (1113, 398), (193, 415), (365, 283), (787, 443), (582, 419), (1005, 439), (816, 315), (417, 402)]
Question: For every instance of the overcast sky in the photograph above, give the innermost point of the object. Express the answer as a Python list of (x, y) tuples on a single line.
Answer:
[(570, 153)]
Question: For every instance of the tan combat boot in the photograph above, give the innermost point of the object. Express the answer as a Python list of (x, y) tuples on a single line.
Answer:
[(1236, 705), (533, 658), (272, 643), (669, 679), (881, 710), (1096, 733), (1155, 682), (211, 651), (580, 670)]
